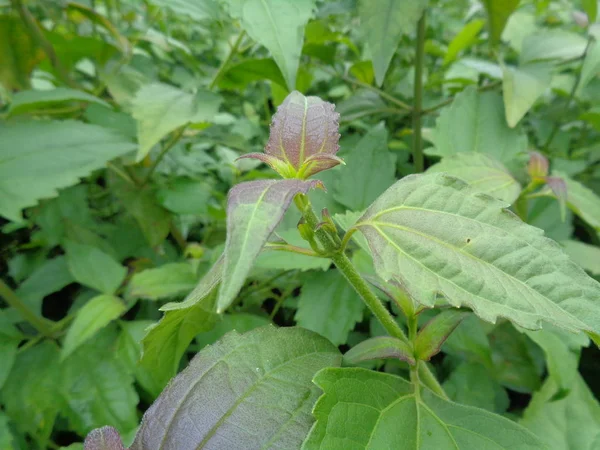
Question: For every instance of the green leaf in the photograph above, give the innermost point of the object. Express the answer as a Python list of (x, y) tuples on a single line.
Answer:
[(10, 338), (259, 385), (435, 332), (197, 10), (279, 26), (27, 101), (346, 221), (472, 384), (166, 341), (591, 9), (160, 109), (105, 438), (463, 40), (483, 128), (483, 173), (389, 415), (328, 305), (522, 86), (381, 347), (170, 280), (96, 388), (370, 170), (94, 268), (383, 23), (280, 260), (240, 75), (6, 436), (186, 196), (570, 423), (19, 53), (434, 234), (591, 65), (587, 256), (582, 201), (470, 342), (498, 13), (254, 209), (363, 103), (552, 44), (91, 318), (240, 322), (39, 157)]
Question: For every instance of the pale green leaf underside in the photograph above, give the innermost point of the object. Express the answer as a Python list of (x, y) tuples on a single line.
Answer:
[(39, 157), (250, 391), (436, 235), (522, 86), (483, 173), (365, 410)]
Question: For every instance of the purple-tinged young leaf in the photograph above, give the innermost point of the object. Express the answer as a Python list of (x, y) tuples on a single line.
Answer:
[(379, 348), (254, 209), (559, 189), (435, 332), (304, 137), (105, 438), (538, 165)]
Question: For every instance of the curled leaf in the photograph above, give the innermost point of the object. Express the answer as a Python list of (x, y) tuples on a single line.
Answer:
[(538, 165)]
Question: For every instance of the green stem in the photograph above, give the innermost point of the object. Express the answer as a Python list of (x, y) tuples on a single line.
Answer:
[(227, 60), (168, 146), (43, 326), (418, 96), (292, 249), (427, 378), (556, 127), (487, 87)]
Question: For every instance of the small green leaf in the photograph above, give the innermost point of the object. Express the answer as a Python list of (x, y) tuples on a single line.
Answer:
[(280, 260), (169, 280), (38, 157), (522, 86), (591, 64), (279, 26), (463, 40), (197, 10), (498, 13), (160, 109), (10, 338), (434, 234), (240, 75), (166, 341), (94, 268), (371, 169), (26, 101), (389, 415), (186, 196), (254, 209), (7, 441), (435, 332), (591, 9), (483, 173), (483, 129), (105, 438), (587, 256), (582, 201), (325, 296), (569, 423), (383, 23), (552, 44), (470, 342), (259, 386), (379, 348), (91, 318), (19, 53)]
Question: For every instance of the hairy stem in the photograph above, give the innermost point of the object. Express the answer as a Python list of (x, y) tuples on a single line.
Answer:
[(43, 326), (418, 96), (227, 60)]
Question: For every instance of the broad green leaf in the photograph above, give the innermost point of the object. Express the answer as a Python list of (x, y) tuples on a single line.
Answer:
[(470, 342), (582, 201), (197, 10), (522, 86), (383, 23), (239, 75), (473, 385), (19, 53), (39, 157), (328, 305), (543, 213), (463, 40), (161, 108), (96, 387), (436, 235), (483, 173), (435, 332), (27, 101), (518, 363), (186, 196), (30, 396), (569, 423), (254, 209), (553, 44), (259, 384), (591, 9), (591, 65), (279, 26), (498, 13), (389, 415), (91, 318), (170, 280), (105, 438), (129, 352), (166, 341), (92, 267), (240, 322), (483, 128), (587, 256), (381, 347), (370, 170)]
